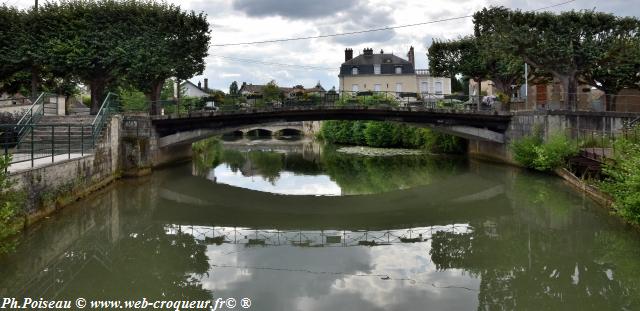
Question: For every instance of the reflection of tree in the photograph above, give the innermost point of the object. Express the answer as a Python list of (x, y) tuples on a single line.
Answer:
[(152, 264), (359, 174), (541, 269), (267, 164)]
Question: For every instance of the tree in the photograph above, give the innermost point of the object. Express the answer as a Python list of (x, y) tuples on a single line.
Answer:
[(568, 45), (618, 70), (462, 56), (233, 88), (271, 92), (174, 44)]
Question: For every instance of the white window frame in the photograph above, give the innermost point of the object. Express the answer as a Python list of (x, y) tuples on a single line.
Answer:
[(354, 71), (355, 88), (398, 88), (398, 70), (439, 87), (377, 88), (377, 69), (424, 86)]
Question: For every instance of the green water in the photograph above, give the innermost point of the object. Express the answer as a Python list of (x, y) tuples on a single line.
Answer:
[(302, 227)]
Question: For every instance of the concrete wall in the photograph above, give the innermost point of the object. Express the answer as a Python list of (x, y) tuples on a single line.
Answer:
[(526, 123), (57, 184)]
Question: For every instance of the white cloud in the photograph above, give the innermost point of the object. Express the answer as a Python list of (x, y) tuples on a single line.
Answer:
[(254, 20)]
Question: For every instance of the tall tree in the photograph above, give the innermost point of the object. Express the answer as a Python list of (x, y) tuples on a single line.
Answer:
[(233, 88), (568, 45)]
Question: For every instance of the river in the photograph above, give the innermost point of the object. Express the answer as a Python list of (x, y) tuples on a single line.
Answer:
[(295, 225)]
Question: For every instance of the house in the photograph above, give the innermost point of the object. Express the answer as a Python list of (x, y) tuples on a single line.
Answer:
[(287, 92), (192, 90), (384, 72)]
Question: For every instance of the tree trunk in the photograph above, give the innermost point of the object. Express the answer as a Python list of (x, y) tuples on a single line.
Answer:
[(570, 88), (97, 93), (154, 97), (479, 93), (35, 82)]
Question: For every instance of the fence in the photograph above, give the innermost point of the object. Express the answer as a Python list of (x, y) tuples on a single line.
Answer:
[(369, 99), (30, 143), (45, 142), (594, 101)]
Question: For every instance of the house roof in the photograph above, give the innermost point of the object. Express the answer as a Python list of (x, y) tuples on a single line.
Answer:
[(382, 58)]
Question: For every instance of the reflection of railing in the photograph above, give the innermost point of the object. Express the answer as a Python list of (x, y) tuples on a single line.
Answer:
[(304, 238)]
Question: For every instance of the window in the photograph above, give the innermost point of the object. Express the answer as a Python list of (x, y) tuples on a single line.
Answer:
[(354, 88), (438, 88), (377, 88), (424, 87), (398, 88), (376, 69), (398, 70), (354, 71)]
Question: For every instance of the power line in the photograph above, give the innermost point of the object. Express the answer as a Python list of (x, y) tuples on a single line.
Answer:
[(369, 30), (255, 61)]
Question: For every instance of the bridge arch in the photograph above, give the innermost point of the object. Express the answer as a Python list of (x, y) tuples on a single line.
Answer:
[(477, 125)]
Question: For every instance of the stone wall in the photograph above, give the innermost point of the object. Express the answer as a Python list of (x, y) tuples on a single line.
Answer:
[(57, 184), (572, 124)]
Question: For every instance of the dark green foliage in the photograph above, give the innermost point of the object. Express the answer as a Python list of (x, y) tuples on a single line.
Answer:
[(569, 45), (623, 180), (389, 135), (10, 208), (533, 152), (101, 43)]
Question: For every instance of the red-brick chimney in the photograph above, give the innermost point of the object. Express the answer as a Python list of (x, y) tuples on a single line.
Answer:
[(412, 57), (348, 55)]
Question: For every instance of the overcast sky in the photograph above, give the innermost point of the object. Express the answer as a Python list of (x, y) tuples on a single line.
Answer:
[(234, 21)]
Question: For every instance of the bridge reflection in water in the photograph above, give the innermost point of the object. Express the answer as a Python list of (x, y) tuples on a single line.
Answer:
[(306, 238)]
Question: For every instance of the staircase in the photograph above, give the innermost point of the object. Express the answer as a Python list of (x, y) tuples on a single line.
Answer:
[(58, 135)]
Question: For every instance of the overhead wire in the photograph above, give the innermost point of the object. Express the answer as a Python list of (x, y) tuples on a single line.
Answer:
[(368, 30)]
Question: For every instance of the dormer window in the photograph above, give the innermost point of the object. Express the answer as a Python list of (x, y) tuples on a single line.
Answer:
[(354, 71), (398, 70), (376, 69)]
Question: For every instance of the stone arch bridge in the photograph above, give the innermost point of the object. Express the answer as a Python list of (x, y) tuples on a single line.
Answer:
[(154, 140)]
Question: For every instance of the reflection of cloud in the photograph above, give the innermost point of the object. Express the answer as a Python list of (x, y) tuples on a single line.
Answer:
[(339, 278), (288, 183)]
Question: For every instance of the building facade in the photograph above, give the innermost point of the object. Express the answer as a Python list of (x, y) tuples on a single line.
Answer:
[(383, 72)]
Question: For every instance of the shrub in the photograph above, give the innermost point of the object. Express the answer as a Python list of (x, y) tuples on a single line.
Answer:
[(10, 208), (524, 150), (532, 152), (554, 153), (623, 180)]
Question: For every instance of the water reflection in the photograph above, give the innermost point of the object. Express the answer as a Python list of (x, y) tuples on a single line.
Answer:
[(479, 237), (305, 167)]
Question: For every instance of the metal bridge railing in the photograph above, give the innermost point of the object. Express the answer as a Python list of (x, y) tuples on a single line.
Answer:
[(330, 100)]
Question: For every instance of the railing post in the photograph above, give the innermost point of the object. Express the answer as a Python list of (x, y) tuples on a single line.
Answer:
[(31, 125), (69, 140), (82, 140), (53, 144)]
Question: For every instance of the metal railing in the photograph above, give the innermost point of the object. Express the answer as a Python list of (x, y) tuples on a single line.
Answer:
[(108, 107), (35, 143), (325, 100), (595, 101), (45, 143)]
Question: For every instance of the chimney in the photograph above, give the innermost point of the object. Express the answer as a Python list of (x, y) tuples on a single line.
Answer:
[(199, 85), (368, 51), (348, 55), (206, 84), (412, 57)]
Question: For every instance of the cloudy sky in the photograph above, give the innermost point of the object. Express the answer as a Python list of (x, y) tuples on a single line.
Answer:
[(234, 21)]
